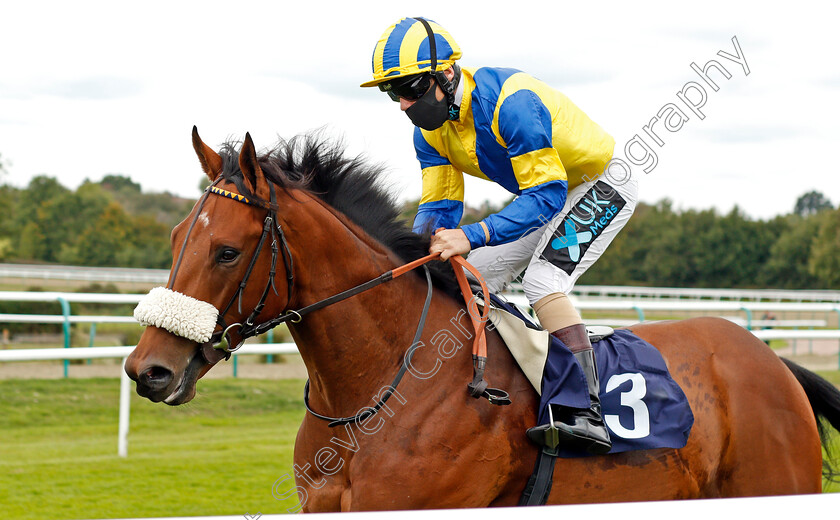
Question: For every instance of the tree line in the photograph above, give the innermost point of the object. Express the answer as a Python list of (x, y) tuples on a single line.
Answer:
[(663, 247), (113, 223), (110, 223)]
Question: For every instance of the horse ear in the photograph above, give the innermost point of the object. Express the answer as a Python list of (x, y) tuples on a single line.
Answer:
[(211, 162), (250, 167)]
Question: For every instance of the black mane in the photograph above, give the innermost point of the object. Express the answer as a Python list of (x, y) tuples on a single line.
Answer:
[(350, 185)]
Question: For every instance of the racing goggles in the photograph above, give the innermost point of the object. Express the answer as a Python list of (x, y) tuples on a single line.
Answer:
[(410, 88)]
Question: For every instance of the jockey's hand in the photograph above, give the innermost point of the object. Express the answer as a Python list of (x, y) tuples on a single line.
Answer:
[(449, 242)]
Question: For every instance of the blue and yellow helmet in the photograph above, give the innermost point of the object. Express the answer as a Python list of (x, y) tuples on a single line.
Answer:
[(403, 50)]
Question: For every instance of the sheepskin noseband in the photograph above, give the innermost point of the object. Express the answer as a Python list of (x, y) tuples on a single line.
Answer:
[(178, 313)]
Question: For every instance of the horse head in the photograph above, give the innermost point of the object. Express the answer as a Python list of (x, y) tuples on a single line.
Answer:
[(225, 273)]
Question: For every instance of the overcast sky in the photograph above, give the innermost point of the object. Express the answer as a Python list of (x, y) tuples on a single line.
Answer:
[(92, 88)]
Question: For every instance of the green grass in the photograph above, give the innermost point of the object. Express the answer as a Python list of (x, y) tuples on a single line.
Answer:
[(832, 376), (218, 455), (833, 487)]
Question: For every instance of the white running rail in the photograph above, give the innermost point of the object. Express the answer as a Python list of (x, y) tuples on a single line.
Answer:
[(265, 348), (43, 354)]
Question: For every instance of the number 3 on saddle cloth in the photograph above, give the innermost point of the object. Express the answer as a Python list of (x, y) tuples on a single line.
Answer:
[(642, 406)]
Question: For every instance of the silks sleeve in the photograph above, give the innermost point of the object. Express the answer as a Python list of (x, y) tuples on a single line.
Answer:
[(534, 208), (442, 201), (523, 124)]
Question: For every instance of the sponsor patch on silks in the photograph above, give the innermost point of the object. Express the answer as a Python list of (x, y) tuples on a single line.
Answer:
[(585, 222), (643, 407)]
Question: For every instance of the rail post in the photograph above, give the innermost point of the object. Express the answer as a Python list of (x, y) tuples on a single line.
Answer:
[(92, 338), (640, 313), (269, 338), (125, 403), (748, 312), (65, 311)]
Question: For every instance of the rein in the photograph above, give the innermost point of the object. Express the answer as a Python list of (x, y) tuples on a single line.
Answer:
[(477, 388), (369, 411)]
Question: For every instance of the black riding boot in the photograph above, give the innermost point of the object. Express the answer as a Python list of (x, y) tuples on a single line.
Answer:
[(583, 430)]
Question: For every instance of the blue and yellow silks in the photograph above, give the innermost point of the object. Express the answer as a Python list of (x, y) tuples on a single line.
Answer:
[(518, 132)]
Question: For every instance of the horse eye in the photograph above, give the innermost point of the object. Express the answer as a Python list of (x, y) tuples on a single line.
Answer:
[(227, 255)]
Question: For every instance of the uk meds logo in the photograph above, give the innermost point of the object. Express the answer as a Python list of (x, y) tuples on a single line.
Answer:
[(584, 223), (571, 241)]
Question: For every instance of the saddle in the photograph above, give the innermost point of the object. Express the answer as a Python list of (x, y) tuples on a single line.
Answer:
[(642, 405), (527, 341)]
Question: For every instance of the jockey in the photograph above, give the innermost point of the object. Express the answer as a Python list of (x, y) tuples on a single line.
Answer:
[(505, 126)]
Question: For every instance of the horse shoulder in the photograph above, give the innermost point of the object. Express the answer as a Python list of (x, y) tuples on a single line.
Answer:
[(441, 437)]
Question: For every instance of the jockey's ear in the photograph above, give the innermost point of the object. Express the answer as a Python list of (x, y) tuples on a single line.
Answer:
[(211, 162), (250, 166)]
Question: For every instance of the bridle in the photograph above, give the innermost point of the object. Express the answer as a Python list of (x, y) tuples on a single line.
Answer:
[(274, 231), (271, 229)]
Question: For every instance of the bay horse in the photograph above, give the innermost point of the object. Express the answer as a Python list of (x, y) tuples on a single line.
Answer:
[(757, 427)]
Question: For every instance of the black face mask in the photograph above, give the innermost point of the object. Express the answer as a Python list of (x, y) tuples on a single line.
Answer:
[(427, 112)]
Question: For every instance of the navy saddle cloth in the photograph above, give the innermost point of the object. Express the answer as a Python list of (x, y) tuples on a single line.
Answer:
[(642, 406)]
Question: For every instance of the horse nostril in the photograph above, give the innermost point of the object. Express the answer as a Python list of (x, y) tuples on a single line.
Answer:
[(156, 378)]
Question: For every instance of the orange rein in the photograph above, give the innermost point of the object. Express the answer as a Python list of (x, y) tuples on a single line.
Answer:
[(479, 319)]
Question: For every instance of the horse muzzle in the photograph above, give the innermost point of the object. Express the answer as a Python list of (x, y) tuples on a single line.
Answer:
[(154, 382), (166, 367)]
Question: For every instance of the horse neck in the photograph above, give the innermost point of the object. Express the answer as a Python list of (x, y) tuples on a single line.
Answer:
[(350, 347)]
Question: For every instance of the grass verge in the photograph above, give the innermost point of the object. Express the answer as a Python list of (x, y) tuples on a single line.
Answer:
[(218, 455)]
